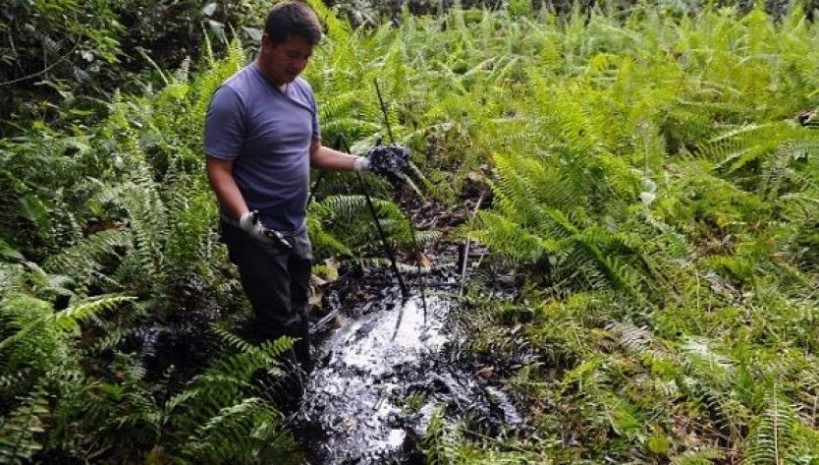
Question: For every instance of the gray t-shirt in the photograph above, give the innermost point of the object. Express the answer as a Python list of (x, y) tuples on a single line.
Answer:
[(267, 133)]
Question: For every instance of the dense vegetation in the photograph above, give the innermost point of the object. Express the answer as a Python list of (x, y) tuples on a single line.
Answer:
[(655, 184)]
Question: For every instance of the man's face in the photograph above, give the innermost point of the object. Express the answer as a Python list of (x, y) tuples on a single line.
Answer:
[(285, 61)]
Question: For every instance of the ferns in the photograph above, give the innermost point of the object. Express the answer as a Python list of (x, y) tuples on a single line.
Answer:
[(439, 445), (555, 230), (192, 212), (224, 425), (41, 361), (348, 216), (18, 430), (239, 433), (34, 336), (220, 385), (147, 219), (776, 438)]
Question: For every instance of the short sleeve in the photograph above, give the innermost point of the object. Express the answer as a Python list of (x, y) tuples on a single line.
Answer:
[(316, 126), (224, 125)]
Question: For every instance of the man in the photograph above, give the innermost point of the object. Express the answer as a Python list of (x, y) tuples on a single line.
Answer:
[(261, 138)]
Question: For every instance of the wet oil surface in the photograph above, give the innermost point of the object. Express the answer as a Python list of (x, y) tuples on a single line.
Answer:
[(383, 375)]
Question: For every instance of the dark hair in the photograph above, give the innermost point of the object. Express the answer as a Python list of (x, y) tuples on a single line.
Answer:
[(293, 17)]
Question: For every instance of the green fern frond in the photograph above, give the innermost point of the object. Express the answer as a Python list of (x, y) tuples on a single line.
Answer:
[(635, 339), (148, 220), (83, 258), (345, 114), (217, 72), (777, 148), (65, 320), (774, 439), (344, 223), (25, 330), (502, 233), (725, 413), (189, 243), (69, 318), (440, 445), (325, 240), (21, 428), (807, 397), (232, 341), (240, 433), (114, 334), (703, 360), (428, 237), (522, 177), (219, 386), (734, 152)]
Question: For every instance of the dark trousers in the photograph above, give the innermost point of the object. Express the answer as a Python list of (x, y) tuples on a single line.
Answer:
[(276, 282)]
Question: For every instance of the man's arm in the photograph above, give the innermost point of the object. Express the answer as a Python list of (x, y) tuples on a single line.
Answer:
[(328, 159), (220, 175)]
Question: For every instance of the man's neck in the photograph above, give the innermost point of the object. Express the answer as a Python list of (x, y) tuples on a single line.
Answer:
[(282, 87)]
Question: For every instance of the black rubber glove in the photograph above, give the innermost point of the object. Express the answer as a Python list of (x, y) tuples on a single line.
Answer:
[(391, 161)]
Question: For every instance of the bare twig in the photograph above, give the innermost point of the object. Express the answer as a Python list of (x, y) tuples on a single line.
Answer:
[(466, 246), (319, 325), (45, 70), (95, 454), (11, 43)]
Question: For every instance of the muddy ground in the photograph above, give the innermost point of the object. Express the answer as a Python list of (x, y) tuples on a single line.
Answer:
[(386, 366)]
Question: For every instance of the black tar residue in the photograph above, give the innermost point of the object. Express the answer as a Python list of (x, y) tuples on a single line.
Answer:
[(382, 376)]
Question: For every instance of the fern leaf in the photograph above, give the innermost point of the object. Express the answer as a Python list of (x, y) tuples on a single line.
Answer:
[(20, 430), (774, 440)]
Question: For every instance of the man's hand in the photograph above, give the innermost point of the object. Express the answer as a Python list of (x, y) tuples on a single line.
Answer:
[(391, 161), (249, 222), (361, 163)]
